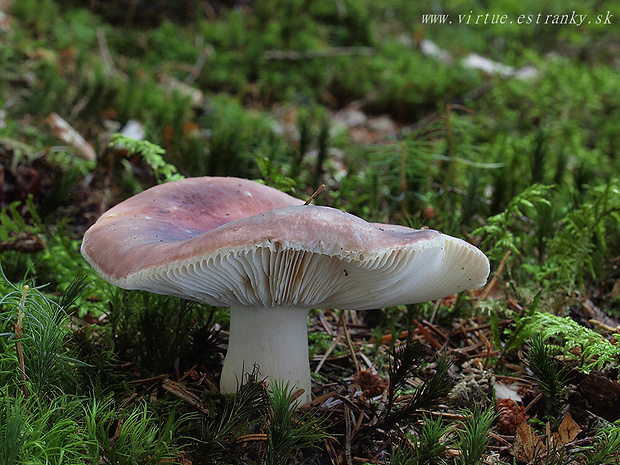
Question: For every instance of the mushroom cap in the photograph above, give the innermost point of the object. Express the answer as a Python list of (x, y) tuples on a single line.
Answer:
[(234, 242)]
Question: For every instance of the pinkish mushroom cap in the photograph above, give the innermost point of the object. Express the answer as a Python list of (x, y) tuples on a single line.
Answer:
[(238, 243)]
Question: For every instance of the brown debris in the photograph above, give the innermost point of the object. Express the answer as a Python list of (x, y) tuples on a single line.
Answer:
[(511, 416), (372, 384), (24, 242), (598, 394), (530, 448)]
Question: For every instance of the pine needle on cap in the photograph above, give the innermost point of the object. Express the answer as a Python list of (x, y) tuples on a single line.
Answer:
[(317, 192)]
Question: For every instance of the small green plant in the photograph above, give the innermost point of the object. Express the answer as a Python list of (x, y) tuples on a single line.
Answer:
[(287, 430), (434, 388), (402, 456), (473, 436), (606, 448), (585, 235), (272, 174), (135, 438), (40, 327), (515, 334), (234, 136), (151, 153), (406, 362), (547, 372), (427, 447), (232, 417), (595, 352), (501, 231), (41, 431), (149, 329), (11, 429)]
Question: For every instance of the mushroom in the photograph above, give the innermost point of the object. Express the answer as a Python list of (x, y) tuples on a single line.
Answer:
[(270, 258)]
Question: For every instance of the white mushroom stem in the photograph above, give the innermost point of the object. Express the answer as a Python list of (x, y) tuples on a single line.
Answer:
[(273, 338)]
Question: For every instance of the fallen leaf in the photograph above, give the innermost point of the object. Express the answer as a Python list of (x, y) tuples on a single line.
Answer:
[(527, 445), (567, 431)]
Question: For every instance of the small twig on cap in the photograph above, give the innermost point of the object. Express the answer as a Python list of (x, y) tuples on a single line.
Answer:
[(317, 192)]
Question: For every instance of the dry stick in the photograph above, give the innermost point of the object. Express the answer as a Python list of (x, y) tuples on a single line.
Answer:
[(347, 440), (497, 437), (428, 336), (445, 415), (319, 400), (486, 326), (297, 394), (358, 424), (206, 53), (182, 393), (18, 336), (531, 404), (129, 400), (148, 380), (435, 310), (493, 281), (252, 437), (347, 335), (186, 374), (316, 192), (286, 55), (104, 53), (489, 350), (329, 351), (380, 408), (436, 329), (370, 365), (326, 324), (330, 450)]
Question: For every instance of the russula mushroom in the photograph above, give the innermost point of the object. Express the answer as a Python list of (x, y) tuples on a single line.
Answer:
[(270, 258)]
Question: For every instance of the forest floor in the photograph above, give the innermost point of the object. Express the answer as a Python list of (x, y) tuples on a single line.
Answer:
[(504, 136)]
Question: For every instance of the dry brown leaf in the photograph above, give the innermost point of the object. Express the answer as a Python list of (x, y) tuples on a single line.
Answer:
[(567, 431), (527, 444)]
